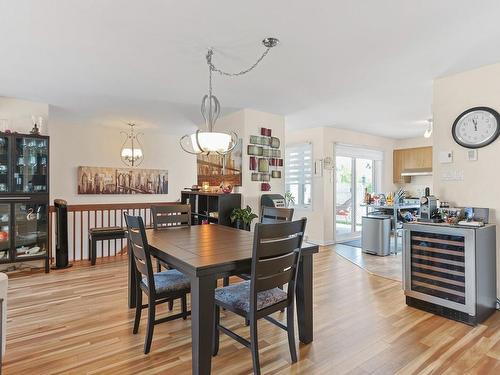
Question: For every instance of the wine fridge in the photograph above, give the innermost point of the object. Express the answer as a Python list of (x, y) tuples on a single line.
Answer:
[(450, 270)]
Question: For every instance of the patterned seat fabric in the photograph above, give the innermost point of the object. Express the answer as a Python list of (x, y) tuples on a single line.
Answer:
[(238, 296), (169, 281)]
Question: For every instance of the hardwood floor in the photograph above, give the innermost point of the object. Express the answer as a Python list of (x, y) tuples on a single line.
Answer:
[(76, 321)]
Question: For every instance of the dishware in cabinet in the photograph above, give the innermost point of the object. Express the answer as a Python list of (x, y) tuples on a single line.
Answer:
[(31, 229), (5, 143), (31, 157)]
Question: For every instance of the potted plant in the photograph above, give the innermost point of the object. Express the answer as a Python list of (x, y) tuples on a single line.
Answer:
[(289, 199), (242, 217)]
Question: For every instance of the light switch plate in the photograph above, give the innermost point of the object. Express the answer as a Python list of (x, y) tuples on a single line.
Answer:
[(445, 157), (472, 155)]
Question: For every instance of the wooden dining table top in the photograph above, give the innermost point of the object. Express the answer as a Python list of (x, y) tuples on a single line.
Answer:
[(203, 249)]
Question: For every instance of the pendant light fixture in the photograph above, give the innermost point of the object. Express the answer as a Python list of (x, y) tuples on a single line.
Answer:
[(210, 141), (428, 131), (131, 152)]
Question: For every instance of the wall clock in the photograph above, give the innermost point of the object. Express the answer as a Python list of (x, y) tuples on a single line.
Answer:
[(477, 127)]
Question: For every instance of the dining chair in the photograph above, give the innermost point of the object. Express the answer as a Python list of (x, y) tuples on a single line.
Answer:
[(168, 217), (270, 215), (275, 257), (159, 287)]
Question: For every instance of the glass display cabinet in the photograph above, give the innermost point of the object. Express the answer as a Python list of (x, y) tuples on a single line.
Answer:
[(24, 198)]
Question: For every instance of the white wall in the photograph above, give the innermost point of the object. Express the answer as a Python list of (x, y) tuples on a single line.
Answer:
[(418, 183), (479, 187), (18, 114), (83, 144), (245, 123), (320, 226)]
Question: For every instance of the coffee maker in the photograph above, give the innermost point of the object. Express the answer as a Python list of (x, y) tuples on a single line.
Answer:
[(428, 207)]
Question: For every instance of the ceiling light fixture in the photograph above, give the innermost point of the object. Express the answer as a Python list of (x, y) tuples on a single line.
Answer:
[(209, 141), (428, 131), (131, 153)]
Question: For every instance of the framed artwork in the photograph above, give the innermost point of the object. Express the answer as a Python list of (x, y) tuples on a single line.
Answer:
[(253, 163), (216, 168), (265, 186), (265, 132), (255, 176), (263, 165), (254, 150), (265, 177), (255, 139), (107, 180), (275, 142), (276, 174)]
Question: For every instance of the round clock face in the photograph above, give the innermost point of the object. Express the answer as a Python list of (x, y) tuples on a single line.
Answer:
[(476, 127)]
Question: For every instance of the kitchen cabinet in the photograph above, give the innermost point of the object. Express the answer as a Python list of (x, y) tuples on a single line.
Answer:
[(410, 158)]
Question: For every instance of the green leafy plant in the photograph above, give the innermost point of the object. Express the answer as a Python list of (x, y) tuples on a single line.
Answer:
[(243, 217), (289, 199)]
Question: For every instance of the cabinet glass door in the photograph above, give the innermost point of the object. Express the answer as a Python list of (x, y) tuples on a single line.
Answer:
[(4, 164), (438, 265), (4, 231), (31, 229), (30, 175)]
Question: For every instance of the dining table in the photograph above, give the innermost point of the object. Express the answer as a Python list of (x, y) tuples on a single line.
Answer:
[(206, 253)]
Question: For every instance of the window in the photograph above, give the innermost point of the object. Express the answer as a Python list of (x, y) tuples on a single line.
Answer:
[(298, 173)]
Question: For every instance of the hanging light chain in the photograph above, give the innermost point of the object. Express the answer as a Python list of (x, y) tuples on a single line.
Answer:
[(228, 74)]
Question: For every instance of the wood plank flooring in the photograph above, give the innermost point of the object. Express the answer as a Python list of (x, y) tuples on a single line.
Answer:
[(76, 321)]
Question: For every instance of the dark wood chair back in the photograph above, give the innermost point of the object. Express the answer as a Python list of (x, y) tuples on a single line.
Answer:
[(276, 252), (138, 245), (271, 215), (172, 215)]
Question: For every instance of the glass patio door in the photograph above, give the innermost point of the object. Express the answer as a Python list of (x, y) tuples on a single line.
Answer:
[(354, 175)]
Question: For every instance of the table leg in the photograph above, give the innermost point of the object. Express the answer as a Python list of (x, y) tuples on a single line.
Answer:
[(202, 314), (304, 298), (131, 281)]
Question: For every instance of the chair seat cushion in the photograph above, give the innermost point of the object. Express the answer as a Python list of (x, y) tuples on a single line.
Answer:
[(238, 296), (169, 281)]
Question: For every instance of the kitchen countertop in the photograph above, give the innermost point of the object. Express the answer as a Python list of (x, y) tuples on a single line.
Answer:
[(446, 225), (391, 207)]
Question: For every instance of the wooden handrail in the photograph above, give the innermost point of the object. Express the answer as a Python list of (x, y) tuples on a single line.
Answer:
[(111, 206), (82, 217)]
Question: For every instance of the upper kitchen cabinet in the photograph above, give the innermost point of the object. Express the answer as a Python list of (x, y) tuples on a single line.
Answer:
[(410, 162)]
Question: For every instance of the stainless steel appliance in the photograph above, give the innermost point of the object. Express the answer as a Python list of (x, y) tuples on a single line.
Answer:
[(450, 270), (428, 206), (376, 234)]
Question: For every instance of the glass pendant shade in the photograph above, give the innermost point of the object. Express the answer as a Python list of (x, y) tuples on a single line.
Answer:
[(131, 153), (210, 142), (204, 142)]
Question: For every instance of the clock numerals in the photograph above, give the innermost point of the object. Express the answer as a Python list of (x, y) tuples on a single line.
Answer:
[(476, 127)]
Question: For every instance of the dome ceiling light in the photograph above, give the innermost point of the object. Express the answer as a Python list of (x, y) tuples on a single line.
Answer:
[(210, 141)]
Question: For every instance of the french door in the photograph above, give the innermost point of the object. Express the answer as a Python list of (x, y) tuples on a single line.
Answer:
[(354, 175)]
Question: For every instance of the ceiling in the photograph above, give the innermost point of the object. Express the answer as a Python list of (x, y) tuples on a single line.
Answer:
[(362, 65)]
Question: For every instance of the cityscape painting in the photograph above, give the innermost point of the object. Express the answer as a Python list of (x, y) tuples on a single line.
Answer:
[(104, 180), (215, 168)]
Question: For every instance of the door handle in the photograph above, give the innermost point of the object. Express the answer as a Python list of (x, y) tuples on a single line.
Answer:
[(15, 198)]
